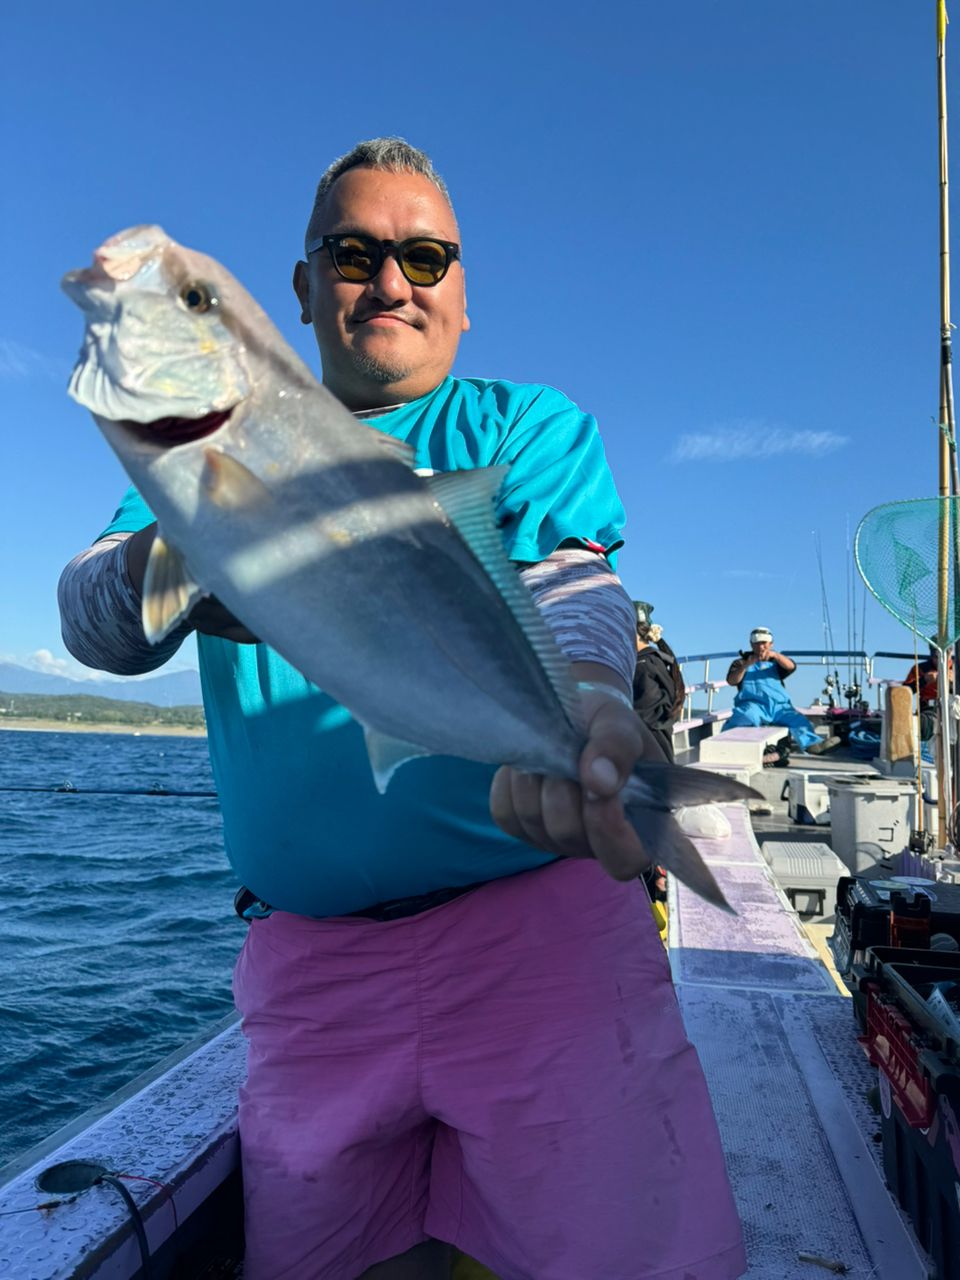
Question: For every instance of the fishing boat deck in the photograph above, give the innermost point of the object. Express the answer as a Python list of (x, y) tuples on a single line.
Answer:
[(790, 1084), (771, 1022)]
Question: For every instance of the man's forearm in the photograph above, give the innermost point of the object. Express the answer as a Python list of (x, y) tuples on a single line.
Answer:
[(737, 669), (581, 599), (590, 614), (100, 612)]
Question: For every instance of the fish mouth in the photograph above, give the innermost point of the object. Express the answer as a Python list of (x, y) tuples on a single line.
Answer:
[(174, 431)]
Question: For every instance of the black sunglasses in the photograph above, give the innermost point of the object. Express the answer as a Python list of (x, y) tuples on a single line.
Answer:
[(423, 260)]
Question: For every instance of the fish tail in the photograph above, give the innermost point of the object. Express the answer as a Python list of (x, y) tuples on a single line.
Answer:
[(664, 843), (670, 786)]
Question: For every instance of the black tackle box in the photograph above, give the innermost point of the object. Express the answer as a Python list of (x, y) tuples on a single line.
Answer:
[(912, 1036), (863, 915)]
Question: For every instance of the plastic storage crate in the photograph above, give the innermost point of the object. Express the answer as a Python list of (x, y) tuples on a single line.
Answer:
[(918, 1059), (862, 917)]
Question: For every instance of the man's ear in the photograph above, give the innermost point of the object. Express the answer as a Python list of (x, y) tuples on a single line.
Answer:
[(466, 319), (301, 287)]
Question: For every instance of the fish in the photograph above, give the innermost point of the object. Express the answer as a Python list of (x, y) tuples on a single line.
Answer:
[(388, 589)]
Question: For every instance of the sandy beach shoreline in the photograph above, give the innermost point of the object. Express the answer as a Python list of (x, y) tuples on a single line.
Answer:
[(72, 726)]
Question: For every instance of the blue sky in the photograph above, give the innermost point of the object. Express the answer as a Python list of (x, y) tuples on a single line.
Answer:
[(713, 224)]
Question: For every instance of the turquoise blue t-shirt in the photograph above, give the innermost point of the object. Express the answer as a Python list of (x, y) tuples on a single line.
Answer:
[(304, 826)]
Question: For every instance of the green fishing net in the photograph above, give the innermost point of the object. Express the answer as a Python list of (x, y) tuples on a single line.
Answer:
[(901, 549)]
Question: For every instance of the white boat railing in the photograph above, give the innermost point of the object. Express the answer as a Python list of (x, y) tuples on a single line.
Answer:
[(831, 660)]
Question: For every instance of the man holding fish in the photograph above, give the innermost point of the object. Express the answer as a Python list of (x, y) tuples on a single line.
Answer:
[(461, 1034)]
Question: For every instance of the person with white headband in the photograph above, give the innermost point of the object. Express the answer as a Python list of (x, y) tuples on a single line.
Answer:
[(761, 697)]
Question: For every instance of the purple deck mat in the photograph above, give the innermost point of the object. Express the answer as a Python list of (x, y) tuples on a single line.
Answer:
[(762, 945)]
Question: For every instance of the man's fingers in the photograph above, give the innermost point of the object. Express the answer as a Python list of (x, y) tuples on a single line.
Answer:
[(615, 744), (614, 842), (545, 812), (562, 818), (501, 804), (211, 618), (515, 806), (525, 793), (587, 820)]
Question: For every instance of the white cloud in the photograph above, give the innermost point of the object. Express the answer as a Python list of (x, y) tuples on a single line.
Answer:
[(43, 660), (742, 440), (19, 363), (46, 661)]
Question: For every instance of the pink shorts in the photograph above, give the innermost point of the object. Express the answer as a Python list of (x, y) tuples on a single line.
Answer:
[(507, 1072)]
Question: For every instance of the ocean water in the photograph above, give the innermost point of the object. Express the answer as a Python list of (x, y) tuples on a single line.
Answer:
[(117, 930)]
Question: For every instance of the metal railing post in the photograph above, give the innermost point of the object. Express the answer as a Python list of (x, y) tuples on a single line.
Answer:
[(706, 681)]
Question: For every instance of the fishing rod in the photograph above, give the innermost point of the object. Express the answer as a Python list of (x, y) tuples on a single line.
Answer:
[(863, 642), (949, 479), (852, 689), (828, 644)]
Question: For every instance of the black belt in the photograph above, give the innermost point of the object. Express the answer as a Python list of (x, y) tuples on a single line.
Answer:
[(395, 909)]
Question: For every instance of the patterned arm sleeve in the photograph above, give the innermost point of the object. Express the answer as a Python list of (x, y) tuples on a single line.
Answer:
[(100, 613), (587, 609)]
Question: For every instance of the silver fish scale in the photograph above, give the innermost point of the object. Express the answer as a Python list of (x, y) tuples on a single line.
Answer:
[(350, 570)]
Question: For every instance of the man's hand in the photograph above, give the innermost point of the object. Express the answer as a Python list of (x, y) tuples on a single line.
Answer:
[(787, 665), (208, 616), (741, 665), (212, 618), (584, 820)]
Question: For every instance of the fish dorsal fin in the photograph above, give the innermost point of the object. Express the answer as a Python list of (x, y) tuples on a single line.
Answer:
[(468, 499), (388, 754), (229, 484), (169, 591)]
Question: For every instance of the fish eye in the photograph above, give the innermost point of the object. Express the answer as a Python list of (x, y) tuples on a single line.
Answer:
[(197, 296)]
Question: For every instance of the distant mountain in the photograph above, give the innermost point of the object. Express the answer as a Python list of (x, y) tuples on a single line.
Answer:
[(175, 689)]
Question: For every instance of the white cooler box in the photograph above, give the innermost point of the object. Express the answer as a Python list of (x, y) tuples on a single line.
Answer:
[(738, 772), (806, 872), (808, 796), (808, 800)]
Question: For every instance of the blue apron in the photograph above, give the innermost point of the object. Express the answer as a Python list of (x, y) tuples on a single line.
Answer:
[(762, 699)]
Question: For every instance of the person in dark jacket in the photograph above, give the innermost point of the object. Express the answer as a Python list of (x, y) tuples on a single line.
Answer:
[(658, 694), (658, 688)]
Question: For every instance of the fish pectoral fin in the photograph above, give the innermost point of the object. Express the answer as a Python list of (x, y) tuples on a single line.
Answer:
[(229, 484), (169, 591), (388, 754)]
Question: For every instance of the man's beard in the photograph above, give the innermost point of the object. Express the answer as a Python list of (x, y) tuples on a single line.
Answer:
[(381, 372)]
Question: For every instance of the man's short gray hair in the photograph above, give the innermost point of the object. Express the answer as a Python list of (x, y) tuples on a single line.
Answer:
[(393, 154)]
